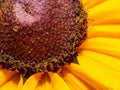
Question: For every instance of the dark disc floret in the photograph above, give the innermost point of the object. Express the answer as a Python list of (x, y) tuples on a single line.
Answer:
[(40, 35)]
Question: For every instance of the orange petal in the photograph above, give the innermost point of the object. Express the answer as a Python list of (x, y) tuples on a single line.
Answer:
[(20, 84), (77, 80), (105, 17), (44, 82), (32, 82), (112, 31), (73, 82), (91, 3), (109, 61), (108, 5), (57, 82), (105, 13), (47, 81), (109, 46), (107, 76), (10, 80)]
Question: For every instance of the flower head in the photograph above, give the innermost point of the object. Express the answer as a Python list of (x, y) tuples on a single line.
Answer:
[(99, 57)]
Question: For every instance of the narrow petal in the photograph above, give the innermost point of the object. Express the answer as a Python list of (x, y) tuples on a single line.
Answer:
[(108, 5), (91, 3), (20, 84), (105, 17), (57, 82), (104, 31), (105, 13), (10, 80), (52, 81), (73, 82), (77, 80), (108, 61), (109, 46), (32, 82), (46, 81), (99, 72)]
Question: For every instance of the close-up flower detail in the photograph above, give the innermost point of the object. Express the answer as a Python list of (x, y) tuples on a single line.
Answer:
[(49, 39), (59, 45)]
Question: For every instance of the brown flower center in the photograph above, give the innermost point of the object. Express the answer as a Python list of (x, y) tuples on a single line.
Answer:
[(40, 35)]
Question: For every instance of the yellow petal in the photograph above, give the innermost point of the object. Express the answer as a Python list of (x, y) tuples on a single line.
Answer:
[(20, 84), (109, 61), (108, 5), (73, 82), (47, 81), (91, 3), (52, 82), (44, 83), (32, 82), (105, 17), (10, 80), (112, 31), (77, 80), (107, 12), (99, 72), (109, 46), (84, 2), (57, 82)]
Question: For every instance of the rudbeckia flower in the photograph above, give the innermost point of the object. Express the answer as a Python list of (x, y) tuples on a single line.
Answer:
[(98, 58)]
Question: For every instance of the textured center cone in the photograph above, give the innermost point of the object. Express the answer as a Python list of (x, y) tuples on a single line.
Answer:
[(39, 35)]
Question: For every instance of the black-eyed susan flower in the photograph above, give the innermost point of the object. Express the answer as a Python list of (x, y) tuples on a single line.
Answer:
[(40, 41)]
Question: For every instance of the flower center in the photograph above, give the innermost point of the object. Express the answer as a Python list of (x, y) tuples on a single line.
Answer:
[(40, 35)]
